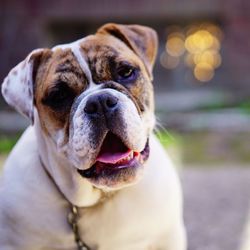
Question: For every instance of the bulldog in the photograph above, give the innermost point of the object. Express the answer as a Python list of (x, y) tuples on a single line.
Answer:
[(89, 173)]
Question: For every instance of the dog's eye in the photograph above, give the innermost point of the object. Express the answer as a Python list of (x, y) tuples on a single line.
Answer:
[(126, 74), (60, 97)]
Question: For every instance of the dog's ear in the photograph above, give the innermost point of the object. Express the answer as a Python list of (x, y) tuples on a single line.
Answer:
[(141, 39), (18, 86)]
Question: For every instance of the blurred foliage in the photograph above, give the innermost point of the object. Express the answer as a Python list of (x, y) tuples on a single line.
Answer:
[(206, 147), (7, 143), (213, 148), (168, 139), (214, 106), (245, 106)]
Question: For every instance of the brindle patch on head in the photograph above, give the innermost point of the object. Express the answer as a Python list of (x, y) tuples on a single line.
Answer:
[(58, 74), (105, 54), (99, 58)]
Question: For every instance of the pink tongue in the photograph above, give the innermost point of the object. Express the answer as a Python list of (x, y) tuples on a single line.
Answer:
[(112, 158)]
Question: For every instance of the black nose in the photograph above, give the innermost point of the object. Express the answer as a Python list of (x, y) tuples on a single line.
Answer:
[(100, 103)]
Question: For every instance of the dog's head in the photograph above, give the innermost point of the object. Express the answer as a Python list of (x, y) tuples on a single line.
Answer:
[(94, 100)]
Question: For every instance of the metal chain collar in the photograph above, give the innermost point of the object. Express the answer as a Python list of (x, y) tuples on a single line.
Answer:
[(72, 216), (72, 220)]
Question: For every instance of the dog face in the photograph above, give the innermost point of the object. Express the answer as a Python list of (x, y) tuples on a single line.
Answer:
[(94, 99)]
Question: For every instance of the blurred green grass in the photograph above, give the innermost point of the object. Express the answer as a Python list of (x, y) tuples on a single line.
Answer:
[(207, 147), (7, 143), (245, 107)]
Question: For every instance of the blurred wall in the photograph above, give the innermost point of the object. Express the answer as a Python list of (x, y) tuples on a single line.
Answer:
[(28, 24)]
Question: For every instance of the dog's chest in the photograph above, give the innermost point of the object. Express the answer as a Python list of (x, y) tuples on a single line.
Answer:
[(119, 225)]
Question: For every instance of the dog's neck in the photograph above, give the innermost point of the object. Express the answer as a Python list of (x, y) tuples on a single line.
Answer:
[(77, 190)]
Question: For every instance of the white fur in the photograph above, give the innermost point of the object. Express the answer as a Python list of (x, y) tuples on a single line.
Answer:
[(18, 84), (75, 188), (33, 213)]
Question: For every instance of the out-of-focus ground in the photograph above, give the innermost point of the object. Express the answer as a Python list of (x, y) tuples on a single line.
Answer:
[(216, 206), (246, 236)]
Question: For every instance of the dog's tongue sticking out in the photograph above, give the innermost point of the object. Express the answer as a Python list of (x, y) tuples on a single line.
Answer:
[(113, 150)]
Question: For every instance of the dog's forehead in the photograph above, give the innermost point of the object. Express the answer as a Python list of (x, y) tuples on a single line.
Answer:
[(100, 43), (82, 63), (96, 46), (88, 58), (75, 48)]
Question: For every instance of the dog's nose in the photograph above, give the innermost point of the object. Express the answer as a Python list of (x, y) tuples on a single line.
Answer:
[(102, 103)]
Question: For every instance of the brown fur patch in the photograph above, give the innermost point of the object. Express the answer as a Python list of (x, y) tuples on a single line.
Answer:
[(55, 68), (142, 40)]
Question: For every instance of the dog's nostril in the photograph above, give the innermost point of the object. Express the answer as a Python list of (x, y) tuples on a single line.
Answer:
[(99, 104), (91, 108), (111, 102)]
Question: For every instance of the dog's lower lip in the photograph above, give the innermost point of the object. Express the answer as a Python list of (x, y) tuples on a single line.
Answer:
[(123, 163), (102, 169), (99, 168)]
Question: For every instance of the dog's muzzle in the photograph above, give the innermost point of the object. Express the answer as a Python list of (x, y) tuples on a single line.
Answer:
[(115, 161)]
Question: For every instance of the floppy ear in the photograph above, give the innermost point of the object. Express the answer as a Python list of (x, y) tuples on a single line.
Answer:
[(18, 86), (141, 39)]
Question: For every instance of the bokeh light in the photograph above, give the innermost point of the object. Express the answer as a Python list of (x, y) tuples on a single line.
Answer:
[(210, 57), (203, 72), (189, 60), (175, 45), (198, 47), (168, 61), (199, 41)]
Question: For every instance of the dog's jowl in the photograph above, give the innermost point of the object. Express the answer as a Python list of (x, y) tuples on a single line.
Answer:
[(88, 173)]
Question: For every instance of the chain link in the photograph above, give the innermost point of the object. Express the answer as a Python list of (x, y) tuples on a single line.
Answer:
[(72, 220), (72, 216)]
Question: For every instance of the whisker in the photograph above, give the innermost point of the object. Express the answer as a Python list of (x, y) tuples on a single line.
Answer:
[(160, 129)]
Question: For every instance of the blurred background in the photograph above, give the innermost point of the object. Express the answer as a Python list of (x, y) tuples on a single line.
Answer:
[(202, 92)]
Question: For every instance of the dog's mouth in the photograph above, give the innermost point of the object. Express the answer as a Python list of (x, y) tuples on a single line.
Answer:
[(115, 158)]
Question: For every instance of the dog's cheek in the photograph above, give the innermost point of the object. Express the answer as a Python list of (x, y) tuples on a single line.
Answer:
[(79, 136), (142, 92), (133, 126), (54, 127), (81, 140), (148, 115), (149, 120), (52, 120)]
